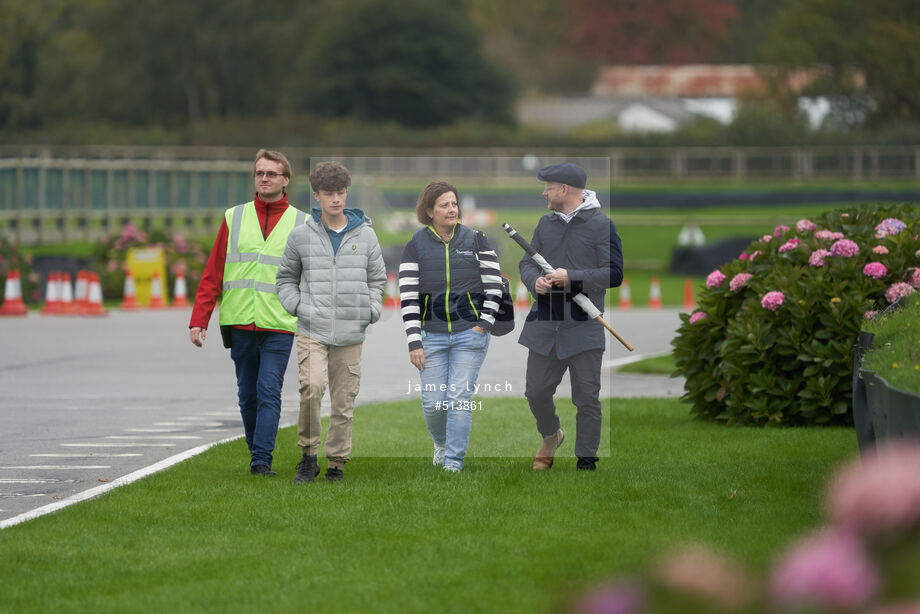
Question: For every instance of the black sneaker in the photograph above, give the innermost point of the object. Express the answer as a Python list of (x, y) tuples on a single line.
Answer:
[(307, 469), (334, 474), (263, 470), (586, 463)]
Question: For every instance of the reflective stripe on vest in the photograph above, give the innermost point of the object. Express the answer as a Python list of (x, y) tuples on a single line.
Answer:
[(249, 293)]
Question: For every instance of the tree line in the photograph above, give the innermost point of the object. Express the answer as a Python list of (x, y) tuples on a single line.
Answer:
[(422, 63)]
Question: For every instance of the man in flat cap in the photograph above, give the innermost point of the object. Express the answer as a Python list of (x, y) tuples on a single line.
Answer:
[(582, 243)]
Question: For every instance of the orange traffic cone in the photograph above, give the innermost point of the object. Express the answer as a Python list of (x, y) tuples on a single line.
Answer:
[(689, 302), (94, 296), (625, 295), (180, 291), (52, 295), (654, 294), (129, 301), (156, 293), (80, 292), (392, 298), (521, 297), (67, 306), (12, 296)]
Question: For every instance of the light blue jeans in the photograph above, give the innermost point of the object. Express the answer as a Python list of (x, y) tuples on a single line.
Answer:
[(452, 362)]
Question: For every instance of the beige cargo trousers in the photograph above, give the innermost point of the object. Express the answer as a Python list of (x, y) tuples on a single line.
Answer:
[(340, 365)]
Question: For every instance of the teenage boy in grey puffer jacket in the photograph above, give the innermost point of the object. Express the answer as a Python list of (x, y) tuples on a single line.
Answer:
[(332, 278)]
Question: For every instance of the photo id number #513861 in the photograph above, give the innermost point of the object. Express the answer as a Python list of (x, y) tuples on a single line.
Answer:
[(458, 405)]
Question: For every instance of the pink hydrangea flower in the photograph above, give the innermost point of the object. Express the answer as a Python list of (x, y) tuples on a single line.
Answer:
[(744, 256), (715, 279), (869, 315), (878, 493), (696, 317), (619, 598), (830, 570), (738, 280), (804, 225), (880, 249), (844, 248), (766, 238), (779, 230), (789, 245), (897, 608), (771, 301), (889, 226), (827, 234), (130, 232), (914, 279), (817, 257), (180, 243), (875, 270), (897, 290), (755, 254), (698, 571)]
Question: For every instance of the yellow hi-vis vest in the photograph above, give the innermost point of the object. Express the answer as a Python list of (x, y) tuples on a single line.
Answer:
[(249, 294)]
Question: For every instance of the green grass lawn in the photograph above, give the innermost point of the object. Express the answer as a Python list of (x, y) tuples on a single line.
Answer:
[(656, 365), (399, 535)]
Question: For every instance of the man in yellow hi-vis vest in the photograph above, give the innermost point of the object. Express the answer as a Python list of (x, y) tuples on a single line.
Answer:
[(259, 332)]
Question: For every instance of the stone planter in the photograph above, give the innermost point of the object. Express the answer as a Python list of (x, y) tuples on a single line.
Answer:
[(880, 411), (895, 413)]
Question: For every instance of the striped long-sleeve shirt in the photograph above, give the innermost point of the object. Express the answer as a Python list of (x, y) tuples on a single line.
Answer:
[(448, 287)]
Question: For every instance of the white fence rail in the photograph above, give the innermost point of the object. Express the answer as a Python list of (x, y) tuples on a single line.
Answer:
[(51, 193)]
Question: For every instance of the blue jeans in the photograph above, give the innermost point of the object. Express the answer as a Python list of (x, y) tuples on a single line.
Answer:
[(261, 359), (452, 362)]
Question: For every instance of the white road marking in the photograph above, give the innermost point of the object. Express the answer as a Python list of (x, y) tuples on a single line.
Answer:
[(153, 430), (153, 437), (189, 424), (98, 490), (118, 445), (87, 455), (12, 495), (619, 362), (57, 467), (28, 481)]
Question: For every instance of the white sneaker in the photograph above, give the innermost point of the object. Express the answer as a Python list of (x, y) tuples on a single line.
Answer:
[(438, 459), (452, 468)]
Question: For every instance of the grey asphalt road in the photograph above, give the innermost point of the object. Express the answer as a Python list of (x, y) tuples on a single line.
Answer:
[(86, 401)]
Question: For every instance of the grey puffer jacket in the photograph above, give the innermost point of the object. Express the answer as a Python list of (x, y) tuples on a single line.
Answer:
[(335, 295)]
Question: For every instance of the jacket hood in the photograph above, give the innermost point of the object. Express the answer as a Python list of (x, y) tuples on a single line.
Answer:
[(588, 201), (354, 216)]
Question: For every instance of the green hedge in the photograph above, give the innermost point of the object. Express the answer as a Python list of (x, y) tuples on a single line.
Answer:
[(772, 339)]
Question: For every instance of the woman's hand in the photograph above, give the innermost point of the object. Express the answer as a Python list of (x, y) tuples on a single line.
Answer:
[(417, 358), (479, 330)]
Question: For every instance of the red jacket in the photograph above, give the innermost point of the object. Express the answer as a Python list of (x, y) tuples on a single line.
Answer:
[(212, 279)]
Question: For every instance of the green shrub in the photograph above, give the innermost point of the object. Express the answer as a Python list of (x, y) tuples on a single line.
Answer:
[(777, 347), (895, 352), (111, 257)]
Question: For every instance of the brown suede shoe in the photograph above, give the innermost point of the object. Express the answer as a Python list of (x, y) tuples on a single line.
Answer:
[(544, 458)]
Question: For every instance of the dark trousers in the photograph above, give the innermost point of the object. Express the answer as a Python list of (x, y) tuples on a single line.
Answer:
[(543, 376), (261, 359)]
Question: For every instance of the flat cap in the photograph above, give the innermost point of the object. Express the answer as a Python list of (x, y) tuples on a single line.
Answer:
[(568, 173)]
